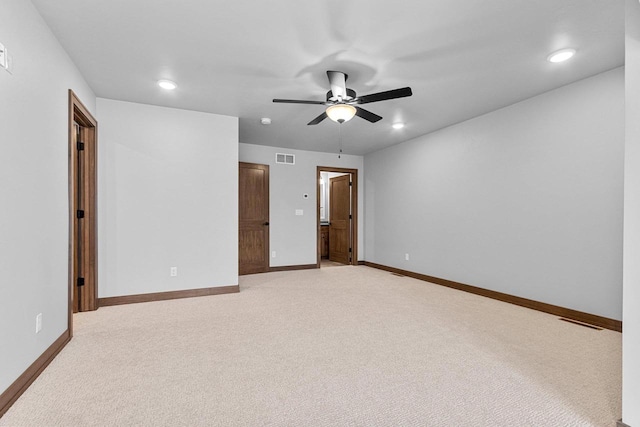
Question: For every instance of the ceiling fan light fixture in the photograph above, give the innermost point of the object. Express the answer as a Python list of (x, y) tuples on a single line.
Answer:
[(167, 84), (561, 55), (341, 113)]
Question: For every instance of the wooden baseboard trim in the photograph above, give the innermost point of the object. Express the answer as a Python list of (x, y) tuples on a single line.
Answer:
[(161, 296), (20, 385), (362, 262), (294, 267), (592, 319), (619, 423)]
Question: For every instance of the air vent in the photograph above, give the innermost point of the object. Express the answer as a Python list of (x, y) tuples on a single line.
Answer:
[(286, 159)]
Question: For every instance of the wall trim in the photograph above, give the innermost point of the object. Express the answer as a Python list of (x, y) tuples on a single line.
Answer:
[(592, 319), (22, 383), (619, 423), (161, 296), (293, 267)]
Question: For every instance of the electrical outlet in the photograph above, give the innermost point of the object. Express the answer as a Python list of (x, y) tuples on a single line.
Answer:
[(273, 254), (38, 322), (406, 257), (174, 271)]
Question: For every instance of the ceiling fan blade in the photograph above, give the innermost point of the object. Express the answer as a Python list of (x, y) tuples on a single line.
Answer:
[(383, 96), (298, 101), (338, 82), (318, 119), (367, 115)]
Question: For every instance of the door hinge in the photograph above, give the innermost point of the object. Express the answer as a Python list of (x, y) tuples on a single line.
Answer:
[(80, 145), (349, 250), (80, 281), (350, 183), (350, 217), (79, 213)]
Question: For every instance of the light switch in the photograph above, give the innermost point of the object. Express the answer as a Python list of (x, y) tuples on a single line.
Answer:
[(3, 56), (299, 212)]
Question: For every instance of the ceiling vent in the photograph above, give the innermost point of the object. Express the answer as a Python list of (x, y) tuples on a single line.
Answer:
[(286, 159)]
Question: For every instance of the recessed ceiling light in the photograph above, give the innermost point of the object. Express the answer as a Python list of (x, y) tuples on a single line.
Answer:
[(561, 55), (398, 125), (167, 84), (265, 121)]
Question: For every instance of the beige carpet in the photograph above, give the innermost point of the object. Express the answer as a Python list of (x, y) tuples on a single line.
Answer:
[(325, 263), (350, 346)]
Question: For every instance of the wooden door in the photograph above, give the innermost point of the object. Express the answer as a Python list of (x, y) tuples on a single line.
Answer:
[(82, 207), (340, 219), (79, 267), (253, 233)]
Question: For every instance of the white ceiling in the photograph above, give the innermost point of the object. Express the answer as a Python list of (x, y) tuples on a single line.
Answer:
[(462, 58)]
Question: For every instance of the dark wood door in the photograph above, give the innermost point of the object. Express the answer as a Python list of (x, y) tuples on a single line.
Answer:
[(82, 204), (253, 234), (340, 219), (79, 223)]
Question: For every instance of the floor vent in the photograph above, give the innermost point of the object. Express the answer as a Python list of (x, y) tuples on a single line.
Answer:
[(285, 159), (398, 274), (586, 325)]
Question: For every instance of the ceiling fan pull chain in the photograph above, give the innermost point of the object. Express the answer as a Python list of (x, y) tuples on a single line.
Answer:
[(340, 138)]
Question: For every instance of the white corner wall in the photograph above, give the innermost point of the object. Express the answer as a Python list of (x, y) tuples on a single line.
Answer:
[(526, 200), (631, 295), (33, 187), (294, 238), (168, 197)]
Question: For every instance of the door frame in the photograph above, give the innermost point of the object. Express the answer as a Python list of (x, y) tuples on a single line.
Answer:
[(78, 113), (354, 211)]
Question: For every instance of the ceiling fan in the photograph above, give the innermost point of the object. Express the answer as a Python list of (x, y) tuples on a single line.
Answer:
[(342, 102)]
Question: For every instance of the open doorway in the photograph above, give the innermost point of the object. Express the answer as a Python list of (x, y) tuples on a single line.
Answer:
[(337, 216)]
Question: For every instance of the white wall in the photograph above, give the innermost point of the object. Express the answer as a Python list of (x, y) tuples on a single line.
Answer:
[(168, 196), (294, 238), (631, 294), (526, 200), (33, 186)]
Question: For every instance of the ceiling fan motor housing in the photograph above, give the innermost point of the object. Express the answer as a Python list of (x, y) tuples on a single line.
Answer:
[(351, 94)]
